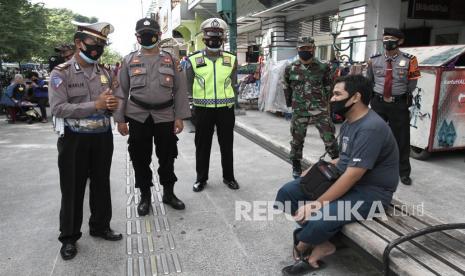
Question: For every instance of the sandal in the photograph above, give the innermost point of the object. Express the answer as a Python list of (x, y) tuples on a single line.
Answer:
[(302, 267), (296, 254)]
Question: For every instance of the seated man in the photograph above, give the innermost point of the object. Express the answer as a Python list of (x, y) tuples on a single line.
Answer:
[(368, 164)]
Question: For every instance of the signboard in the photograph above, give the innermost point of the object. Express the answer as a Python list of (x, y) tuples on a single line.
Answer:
[(450, 123), (436, 9), (165, 20), (176, 16)]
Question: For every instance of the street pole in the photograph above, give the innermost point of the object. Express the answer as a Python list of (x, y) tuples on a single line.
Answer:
[(233, 29), (142, 8)]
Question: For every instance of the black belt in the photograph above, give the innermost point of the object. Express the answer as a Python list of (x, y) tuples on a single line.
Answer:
[(151, 106), (394, 99)]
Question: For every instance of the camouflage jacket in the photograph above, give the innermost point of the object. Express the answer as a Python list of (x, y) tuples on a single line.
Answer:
[(307, 87)]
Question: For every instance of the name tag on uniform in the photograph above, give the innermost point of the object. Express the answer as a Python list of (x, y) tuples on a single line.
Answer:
[(200, 61), (103, 79), (75, 85), (226, 61)]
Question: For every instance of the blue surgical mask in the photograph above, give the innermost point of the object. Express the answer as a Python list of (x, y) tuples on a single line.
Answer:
[(149, 47), (86, 59)]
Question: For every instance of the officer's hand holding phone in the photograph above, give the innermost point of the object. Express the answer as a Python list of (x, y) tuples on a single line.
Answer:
[(178, 126)]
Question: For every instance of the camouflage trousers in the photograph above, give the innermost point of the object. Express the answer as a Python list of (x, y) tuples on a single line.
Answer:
[(324, 125)]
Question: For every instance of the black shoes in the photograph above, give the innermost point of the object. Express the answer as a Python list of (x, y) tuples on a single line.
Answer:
[(232, 184), (199, 186), (68, 251), (173, 201), (406, 180), (108, 235), (296, 169), (144, 206)]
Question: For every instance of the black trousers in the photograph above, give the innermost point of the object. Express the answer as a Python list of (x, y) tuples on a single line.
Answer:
[(397, 116), (83, 156), (206, 120), (42, 102), (142, 136)]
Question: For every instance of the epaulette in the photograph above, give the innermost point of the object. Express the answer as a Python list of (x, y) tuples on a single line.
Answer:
[(375, 55), (194, 53), (407, 55), (61, 67)]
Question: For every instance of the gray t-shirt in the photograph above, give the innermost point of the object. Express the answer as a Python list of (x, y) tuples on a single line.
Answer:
[(369, 143)]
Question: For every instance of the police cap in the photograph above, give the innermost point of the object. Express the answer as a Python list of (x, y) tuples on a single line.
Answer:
[(393, 32), (147, 24), (100, 30), (305, 41), (214, 27)]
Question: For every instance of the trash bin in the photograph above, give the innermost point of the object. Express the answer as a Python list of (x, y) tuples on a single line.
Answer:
[(437, 115)]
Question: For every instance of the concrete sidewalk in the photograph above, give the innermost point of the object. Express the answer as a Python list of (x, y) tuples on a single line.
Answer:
[(438, 183), (206, 238)]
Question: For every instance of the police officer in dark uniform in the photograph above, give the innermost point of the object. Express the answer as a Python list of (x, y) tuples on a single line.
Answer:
[(154, 103), (80, 99), (394, 75), (212, 79), (63, 53)]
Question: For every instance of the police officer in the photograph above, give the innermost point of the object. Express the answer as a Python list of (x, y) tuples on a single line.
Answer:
[(212, 79), (63, 53), (80, 94), (154, 103), (307, 89), (394, 75)]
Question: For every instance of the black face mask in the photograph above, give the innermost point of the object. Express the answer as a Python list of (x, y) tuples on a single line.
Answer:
[(214, 42), (390, 44), (340, 108), (93, 52), (148, 39), (305, 55)]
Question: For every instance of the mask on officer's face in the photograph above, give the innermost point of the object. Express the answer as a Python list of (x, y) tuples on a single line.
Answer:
[(390, 44), (305, 55), (93, 52), (214, 42), (147, 40), (340, 108)]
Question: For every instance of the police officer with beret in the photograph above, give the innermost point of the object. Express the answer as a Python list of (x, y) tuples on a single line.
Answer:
[(154, 103), (211, 77), (80, 95), (394, 75)]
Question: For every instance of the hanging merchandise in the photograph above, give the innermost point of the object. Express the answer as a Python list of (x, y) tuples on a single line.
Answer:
[(271, 89)]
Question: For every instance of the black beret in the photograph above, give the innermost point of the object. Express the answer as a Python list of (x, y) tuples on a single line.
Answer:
[(147, 24), (393, 32)]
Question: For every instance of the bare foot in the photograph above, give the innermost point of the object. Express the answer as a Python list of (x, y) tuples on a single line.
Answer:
[(320, 251), (306, 249)]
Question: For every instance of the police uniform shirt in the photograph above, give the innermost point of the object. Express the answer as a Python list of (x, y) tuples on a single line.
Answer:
[(152, 79), (191, 75), (405, 73), (72, 91)]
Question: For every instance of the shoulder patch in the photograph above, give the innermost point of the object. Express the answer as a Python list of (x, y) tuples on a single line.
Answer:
[(61, 67), (375, 55), (409, 56)]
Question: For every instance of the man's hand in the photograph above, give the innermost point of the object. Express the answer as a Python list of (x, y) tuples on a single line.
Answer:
[(123, 129), (101, 102), (178, 126), (112, 102), (305, 211)]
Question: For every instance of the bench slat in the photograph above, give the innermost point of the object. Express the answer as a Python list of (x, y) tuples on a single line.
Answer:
[(447, 241), (430, 245), (374, 245), (412, 250)]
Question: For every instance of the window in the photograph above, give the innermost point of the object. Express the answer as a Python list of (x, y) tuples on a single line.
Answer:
[(446, 39), (322, 52)]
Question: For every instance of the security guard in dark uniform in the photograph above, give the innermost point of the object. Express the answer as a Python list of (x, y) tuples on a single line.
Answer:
[(212, 79), (81, 98), (394, 75), (154, 103)]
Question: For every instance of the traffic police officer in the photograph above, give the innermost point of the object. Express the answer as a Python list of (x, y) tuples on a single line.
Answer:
[(80, 94), (212, 79), (307, 90), (154, 103), (394, 75)]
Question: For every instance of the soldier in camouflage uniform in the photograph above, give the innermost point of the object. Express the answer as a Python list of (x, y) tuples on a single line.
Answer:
[(307, 89)]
